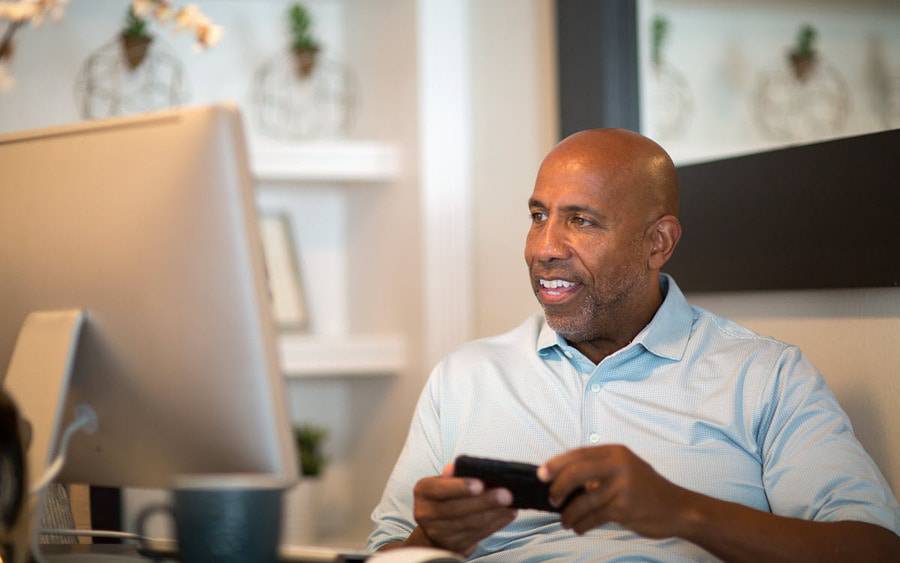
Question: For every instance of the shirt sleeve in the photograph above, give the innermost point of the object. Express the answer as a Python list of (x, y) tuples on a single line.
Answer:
[(813, 466), (421, 457)]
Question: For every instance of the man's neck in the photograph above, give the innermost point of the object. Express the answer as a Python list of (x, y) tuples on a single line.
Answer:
[(625, 327)]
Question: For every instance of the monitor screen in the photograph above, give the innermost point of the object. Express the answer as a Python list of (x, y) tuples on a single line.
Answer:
[(148, 224)]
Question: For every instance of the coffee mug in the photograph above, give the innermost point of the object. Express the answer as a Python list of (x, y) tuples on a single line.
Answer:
[(225, 518)]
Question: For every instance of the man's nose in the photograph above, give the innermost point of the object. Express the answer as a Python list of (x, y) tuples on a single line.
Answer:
[(552, 243)]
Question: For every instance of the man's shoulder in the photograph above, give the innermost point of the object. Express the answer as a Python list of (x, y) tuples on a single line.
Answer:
[(722, 331)]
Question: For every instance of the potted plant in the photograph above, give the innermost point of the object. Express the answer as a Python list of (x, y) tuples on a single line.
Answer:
[(300, 520), (303, 45), (309, 439), (803, 56), (135, 39)]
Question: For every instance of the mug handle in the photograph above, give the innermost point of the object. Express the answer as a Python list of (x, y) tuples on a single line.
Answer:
[(145, 544)]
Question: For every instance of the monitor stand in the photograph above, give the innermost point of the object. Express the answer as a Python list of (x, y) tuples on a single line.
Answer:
[(38, 381)]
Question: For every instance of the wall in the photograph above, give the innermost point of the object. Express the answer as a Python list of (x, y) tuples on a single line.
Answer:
[(515, 123), (723, 51)]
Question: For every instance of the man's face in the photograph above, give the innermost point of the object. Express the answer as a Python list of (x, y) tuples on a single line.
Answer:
[(585, 251)]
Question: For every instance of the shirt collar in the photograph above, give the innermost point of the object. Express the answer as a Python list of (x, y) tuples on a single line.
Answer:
[(666, 335)]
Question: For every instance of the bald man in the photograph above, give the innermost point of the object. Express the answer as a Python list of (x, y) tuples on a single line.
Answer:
[(692, 437)]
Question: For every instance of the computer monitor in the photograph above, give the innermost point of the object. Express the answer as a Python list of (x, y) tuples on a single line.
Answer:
[(148, 224)]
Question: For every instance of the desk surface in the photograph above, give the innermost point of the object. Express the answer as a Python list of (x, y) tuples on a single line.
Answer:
[(127, 553)]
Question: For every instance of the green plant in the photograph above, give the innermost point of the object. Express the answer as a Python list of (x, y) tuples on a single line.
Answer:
[(660, 29), (135, 25), (309, 439), (300, 23), (806, 39)]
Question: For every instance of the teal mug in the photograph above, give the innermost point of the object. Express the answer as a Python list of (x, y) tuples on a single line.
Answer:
[(224, 518)]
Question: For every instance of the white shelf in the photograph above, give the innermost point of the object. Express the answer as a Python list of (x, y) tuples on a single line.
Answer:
[(304, 355), (323, 161)]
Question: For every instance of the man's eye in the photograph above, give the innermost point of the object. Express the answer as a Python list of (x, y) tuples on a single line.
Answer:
[(581, 221), (537, 216)]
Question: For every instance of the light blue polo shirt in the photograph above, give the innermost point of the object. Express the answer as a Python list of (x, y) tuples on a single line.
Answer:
[(712, 406)]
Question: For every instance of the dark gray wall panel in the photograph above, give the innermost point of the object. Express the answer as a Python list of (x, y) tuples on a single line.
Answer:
[(825, 215)]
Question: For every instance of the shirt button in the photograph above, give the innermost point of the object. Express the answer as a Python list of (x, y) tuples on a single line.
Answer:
[(595, 387), (594, 438)]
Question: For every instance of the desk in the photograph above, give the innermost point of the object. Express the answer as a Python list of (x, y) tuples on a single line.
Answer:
[(128, 553)]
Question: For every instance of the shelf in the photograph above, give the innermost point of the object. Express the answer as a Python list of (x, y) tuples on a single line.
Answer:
[(323, 161), (304, 355)]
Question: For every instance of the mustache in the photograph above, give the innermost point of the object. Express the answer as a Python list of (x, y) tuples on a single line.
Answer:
[(553, 274)]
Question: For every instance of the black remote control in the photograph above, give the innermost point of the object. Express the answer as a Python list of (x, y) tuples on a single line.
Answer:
[(519, 478)]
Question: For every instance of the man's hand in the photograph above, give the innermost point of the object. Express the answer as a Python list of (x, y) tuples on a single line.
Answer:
[(619, 487), (454, 513)]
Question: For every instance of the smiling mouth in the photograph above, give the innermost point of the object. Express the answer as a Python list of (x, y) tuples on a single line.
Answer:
[(555, 291)]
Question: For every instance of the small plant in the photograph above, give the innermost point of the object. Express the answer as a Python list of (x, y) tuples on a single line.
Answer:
[(303, 44), (660, 30), (803, 56), (301, 35), (135, 26), (309, 439), (806, 38)]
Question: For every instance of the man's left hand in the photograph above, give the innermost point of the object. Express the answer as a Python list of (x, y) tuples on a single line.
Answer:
[(619, 487)]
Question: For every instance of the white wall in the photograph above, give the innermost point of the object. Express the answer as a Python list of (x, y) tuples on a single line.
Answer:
[(515, 123), (724, 49)]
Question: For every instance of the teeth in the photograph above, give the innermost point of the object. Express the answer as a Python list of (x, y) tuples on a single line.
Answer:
[(553, 284)]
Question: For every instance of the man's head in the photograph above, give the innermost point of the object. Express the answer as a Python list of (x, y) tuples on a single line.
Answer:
[(604, 222)]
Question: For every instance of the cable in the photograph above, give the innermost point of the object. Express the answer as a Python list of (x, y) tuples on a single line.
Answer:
[(93, 534), (86, 419)]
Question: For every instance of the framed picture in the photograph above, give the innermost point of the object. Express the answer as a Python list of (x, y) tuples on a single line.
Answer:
[(283, 272)]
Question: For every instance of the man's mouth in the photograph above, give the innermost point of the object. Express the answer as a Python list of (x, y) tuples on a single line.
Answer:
[(556, 290)]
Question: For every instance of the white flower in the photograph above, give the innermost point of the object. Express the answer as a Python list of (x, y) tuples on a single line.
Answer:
[(208, 35), (188, 16), (22, 10), (141, 7)]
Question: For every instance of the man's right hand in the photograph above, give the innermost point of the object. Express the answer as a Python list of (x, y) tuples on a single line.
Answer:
[(455, 513)]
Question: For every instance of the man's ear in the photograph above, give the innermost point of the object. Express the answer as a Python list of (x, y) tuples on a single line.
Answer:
[(665, 233)]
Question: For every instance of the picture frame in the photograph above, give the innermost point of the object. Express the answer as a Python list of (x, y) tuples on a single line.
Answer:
[(289, 308)]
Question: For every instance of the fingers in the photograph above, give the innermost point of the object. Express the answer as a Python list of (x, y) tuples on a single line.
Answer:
[(445, 488), (457, 513), (460, 507), (586, 474), (591, 509)]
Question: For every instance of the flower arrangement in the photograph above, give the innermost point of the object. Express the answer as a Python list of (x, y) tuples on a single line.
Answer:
[(136, 39), (17, 13)]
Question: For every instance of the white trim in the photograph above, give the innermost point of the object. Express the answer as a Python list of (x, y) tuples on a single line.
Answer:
[(446, 169)]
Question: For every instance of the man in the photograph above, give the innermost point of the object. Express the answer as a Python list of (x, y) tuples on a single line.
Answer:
[(693, 437)]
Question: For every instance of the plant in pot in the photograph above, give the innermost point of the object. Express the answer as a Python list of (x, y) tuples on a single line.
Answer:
[(309, 439), (803, 56), (135, 39), (304, 47), (300, 522)]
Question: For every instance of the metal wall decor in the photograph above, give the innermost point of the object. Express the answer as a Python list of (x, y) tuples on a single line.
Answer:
[(110, 83), (293, 106), (806, 99), (297, 93)]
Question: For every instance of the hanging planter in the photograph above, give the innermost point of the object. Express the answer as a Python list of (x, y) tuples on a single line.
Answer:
[(135, 39), (305, 61), (135, 49)]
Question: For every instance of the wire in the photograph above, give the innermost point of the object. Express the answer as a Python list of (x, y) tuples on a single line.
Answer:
[(85, 419)]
